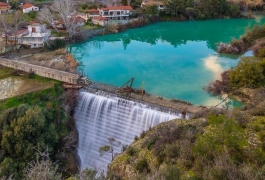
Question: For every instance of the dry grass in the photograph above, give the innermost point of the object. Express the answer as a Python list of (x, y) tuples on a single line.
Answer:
[(58, 59), (20, 86)]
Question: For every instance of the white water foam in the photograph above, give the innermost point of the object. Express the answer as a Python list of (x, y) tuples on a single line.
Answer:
[(99, 118)]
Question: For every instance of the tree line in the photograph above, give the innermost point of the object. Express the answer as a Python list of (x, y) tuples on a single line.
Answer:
[(192, 9)]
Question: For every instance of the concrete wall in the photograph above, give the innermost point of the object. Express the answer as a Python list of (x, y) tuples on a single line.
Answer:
[(99, 22), (41, 71)]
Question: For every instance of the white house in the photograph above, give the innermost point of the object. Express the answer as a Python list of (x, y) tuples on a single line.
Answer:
[(4, 7), (159, 4), (115, 12), (34, 37), (37, 35), (26, 8)]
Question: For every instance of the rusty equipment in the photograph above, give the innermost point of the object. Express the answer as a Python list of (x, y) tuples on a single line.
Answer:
[(127, 88)]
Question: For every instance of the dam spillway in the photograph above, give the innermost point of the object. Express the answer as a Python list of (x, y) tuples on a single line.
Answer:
[(99, 117)]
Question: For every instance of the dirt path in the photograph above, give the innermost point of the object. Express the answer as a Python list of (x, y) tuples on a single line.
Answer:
[(14, 86)]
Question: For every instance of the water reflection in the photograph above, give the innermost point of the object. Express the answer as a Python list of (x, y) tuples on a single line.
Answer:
[(212, 64), (176, 34), (174, 59), (82, 49)]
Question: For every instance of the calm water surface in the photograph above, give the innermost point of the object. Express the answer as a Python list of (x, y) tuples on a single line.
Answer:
[(173, 59)]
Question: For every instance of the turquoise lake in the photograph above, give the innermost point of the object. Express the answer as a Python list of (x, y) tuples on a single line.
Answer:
[(173, 59)]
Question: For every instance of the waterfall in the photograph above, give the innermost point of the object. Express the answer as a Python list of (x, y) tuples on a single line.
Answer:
[(101, 117)]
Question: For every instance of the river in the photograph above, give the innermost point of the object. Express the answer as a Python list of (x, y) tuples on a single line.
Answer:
[(171, 59)]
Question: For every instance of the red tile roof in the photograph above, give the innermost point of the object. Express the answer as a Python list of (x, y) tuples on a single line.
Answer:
[(33, 21), (79, 19), (151, 2), (76, 19), (117, 8), (4, 6), (25, 6), (19, 32)]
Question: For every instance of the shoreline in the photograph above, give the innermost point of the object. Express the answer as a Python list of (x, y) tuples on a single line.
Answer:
[(157, 19)]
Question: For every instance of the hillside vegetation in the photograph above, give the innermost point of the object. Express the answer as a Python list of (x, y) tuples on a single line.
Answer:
[(33, 123), (229, 146), (252, 40)]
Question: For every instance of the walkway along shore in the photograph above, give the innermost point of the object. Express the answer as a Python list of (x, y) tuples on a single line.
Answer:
[(41, 71), (161, 103)]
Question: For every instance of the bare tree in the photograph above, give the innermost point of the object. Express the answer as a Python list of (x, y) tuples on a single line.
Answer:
[(45, 15), (5, 26), (17, 21), (42, 169), (65, 9)]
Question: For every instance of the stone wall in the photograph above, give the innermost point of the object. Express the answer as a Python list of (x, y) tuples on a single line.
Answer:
[(41, 71)]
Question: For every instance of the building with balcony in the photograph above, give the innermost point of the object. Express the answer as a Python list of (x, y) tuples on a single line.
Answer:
[(115, 12), (37, 35), (33, 37)]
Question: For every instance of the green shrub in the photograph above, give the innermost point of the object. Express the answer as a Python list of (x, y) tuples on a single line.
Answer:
[(253, 34), (224, 134), (136, 138), (261, 52), (248, 73), (151, 142), (171, 151), (14, 3), (142, 135), (8, 167), (84, 6), (142, 166), (128, 161), (56, 44), (131, 151), (171, 172), (32, 14), (263, 145)]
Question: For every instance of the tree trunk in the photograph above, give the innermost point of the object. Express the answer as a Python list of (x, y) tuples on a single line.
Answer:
[(6, 39)]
